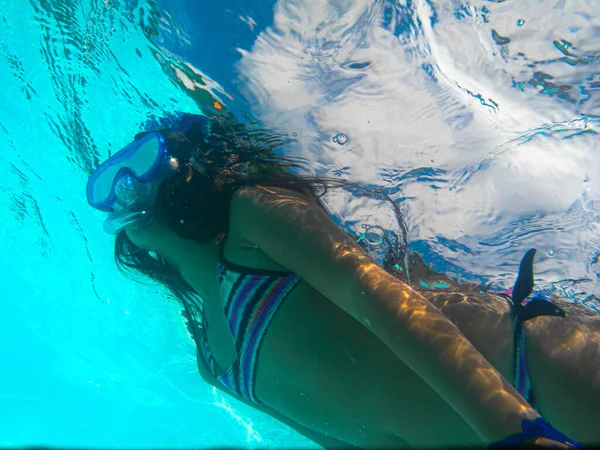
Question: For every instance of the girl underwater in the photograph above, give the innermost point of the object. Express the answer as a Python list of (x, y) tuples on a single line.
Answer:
[(292, 316)]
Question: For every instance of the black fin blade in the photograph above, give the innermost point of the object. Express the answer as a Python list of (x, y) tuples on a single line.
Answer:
[(540, 307), (524, 284)]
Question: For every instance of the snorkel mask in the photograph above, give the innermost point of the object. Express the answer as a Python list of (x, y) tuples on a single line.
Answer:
[(125, 185)]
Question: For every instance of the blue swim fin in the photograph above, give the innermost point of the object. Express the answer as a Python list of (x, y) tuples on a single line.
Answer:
[(537, 306), (524, 284), (542, 307)]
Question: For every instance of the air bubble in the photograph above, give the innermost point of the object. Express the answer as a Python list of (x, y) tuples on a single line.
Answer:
[(520, 22), (340, 138), (551, 252)]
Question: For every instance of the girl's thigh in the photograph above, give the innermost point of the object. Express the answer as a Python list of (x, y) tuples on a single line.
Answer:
[(563, 356)]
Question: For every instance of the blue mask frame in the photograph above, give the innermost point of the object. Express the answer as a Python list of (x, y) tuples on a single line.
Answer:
[(143, 160)]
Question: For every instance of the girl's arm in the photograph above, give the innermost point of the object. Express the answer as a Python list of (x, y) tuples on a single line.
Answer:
[(298, 234)]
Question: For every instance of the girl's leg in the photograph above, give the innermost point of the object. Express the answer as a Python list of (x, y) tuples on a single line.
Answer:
[(563, 356)]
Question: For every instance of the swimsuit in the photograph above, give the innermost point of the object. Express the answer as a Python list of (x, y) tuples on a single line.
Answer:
[(251, 298)]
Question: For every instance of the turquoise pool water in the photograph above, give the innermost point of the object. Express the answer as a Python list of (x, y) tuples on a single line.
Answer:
[(481, 118)]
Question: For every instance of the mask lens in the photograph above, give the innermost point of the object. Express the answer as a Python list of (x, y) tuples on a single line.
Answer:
[(129, 191), (132, 204)]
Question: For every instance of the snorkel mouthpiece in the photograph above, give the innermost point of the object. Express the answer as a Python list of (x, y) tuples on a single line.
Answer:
[(115, 222)]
